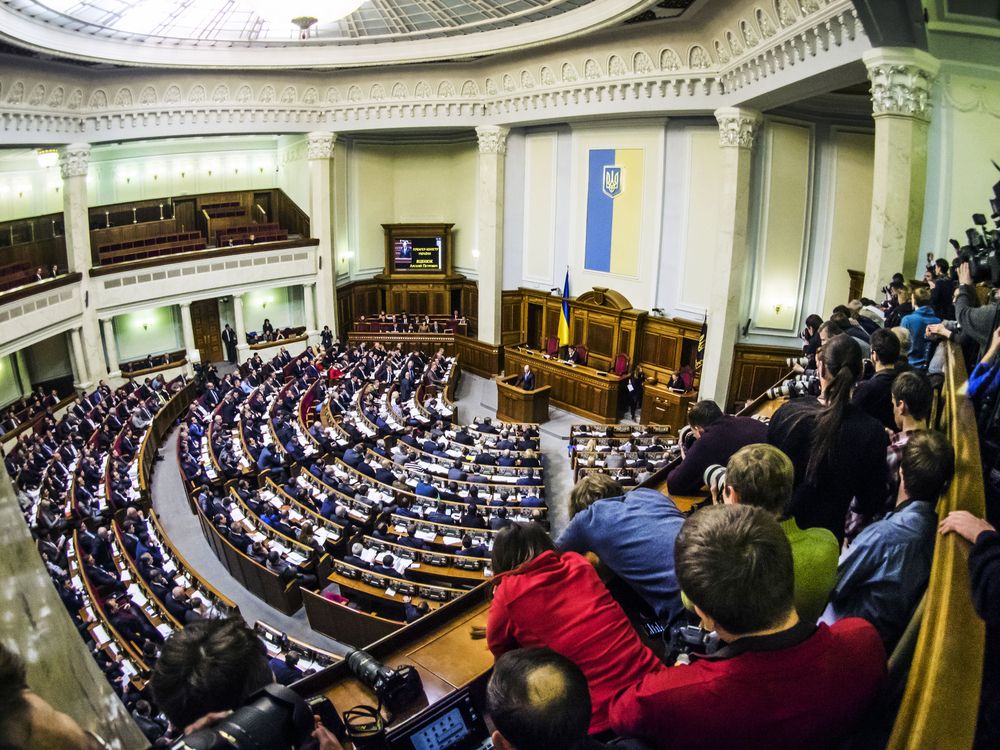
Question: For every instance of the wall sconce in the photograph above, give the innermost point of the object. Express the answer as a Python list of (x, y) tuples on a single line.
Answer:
[(210, 173), (264, 302), (777, 309), (183, 174)]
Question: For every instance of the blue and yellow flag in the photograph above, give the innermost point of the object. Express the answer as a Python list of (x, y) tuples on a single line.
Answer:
[(564, 314), (614, 211)]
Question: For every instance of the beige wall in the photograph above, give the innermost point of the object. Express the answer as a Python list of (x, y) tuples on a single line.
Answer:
[(394, 184), (786, 190), (853, 155), (703, 175)]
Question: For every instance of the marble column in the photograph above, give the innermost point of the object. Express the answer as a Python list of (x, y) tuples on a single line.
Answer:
[(901, 82), (309, 304), (489, 228), (73, 165), (737, 132), (36, 626), (242, 348), (320, 152), (79, 362), (187, 331), (111, 346)]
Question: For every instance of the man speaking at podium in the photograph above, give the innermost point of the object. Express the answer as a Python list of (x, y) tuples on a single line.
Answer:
[(527, 379)]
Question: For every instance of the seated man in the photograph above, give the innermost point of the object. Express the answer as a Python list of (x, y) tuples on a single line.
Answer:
[(286, 671), (632, 535), (537, 699), (883, 574), (718, 437), (762, 476), (778, 681)]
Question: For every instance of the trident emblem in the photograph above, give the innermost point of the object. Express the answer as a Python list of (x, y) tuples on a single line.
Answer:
[(612, 185)]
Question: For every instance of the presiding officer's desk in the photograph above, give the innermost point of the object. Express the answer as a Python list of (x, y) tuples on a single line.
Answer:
[(583, 390)]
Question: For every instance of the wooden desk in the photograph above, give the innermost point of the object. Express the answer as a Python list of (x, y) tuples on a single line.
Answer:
[(576, 388), (514, 404), (660, 405)]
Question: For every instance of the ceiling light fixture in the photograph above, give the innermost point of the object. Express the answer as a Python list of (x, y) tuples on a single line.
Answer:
[(302, 13)]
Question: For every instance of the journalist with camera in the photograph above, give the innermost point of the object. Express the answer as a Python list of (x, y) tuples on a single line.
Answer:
[(213, 679)]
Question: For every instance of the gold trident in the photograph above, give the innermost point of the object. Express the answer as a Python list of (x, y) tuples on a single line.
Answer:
[(611, 180)]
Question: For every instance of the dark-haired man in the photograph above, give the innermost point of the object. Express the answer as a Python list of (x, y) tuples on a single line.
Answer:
[(872, 395), (778, 681), (883, 574), (212, 667), (718, 437), (537, 699)]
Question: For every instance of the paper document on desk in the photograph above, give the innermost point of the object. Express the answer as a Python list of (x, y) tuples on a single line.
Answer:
[(295, 558), (426, 536), (368, 555), (452, 541)]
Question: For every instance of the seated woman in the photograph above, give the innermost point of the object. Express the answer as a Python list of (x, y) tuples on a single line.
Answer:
[(556, 600)]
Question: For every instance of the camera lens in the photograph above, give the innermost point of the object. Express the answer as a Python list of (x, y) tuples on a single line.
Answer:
[(364, 666)]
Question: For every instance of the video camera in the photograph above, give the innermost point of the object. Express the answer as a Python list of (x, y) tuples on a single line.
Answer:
[(691, 639), (982, 248)]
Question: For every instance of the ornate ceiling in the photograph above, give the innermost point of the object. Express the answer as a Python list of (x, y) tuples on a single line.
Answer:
[(291, 33)]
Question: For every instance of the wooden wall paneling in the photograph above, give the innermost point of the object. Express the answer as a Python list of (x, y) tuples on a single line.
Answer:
[(477, 357), (856, 285), (755, 369)]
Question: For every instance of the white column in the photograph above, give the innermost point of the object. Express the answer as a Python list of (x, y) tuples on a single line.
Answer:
[(308, 302), (320, 151), (110, 346), (187, 330), (489, 228), (901, 81), (83, 381), (73, 165), (242, 347), (737, 131)]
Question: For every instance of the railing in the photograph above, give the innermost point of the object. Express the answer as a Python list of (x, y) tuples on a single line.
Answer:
[(941, 700)]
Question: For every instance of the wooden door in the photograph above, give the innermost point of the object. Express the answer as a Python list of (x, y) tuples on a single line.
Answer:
[(184, 215), (207, 330)]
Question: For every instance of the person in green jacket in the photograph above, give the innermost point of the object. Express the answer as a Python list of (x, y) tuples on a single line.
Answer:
[(762, 475)]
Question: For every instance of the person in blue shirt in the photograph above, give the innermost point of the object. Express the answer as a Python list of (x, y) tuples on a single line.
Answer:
[(286, 670), (985, 378), (425, 489), (883, 574), (632, 534), (916, 323)]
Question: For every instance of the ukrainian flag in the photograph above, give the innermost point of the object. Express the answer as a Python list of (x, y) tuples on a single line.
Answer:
[(614, 211), (564, 314)]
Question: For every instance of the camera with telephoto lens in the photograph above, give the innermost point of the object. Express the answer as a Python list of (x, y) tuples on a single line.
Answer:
[(276, 718), (800, 361), (800, 385), (395, 688), (982, 248), (715, 478)]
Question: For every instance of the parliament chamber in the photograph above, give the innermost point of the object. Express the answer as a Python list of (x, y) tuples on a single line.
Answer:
[(400, 343)]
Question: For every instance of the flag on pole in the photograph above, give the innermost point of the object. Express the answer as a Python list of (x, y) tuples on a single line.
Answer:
[(700, 354), (564, 314)]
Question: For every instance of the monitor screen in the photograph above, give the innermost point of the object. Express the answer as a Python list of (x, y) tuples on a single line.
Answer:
[(451, 724), (417, 254)]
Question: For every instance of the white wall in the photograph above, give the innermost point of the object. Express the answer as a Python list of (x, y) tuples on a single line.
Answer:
[(393, 184), (283, 306), (48, 359)]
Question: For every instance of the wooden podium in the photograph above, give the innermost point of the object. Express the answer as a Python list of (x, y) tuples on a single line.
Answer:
[(518, 405)]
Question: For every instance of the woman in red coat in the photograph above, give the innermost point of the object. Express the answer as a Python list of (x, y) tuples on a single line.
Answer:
[(544, 598)]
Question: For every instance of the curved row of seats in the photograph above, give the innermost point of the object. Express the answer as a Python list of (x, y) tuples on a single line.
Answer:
[(123, 582), (323, 437)]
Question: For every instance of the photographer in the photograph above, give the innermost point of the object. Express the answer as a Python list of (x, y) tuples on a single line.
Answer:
[(211, 668), (717, 437), (977, 322), (873, 395), (942, 288)]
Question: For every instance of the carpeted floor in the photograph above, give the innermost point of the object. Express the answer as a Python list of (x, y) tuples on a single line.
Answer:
[(476, 397)]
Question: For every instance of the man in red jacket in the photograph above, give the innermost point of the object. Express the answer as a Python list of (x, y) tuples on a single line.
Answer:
[(778, 682)]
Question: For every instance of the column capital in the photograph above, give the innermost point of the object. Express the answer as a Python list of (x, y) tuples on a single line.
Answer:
[(901, 81), (320, 145), (492, 139), (738, 126), (73, 160)]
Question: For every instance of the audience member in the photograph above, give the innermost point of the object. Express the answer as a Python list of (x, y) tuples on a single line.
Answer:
[(883, 574), (778, 681), (837, 450), (872, 395), (718, 437), (547, 598), (762, 476)]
